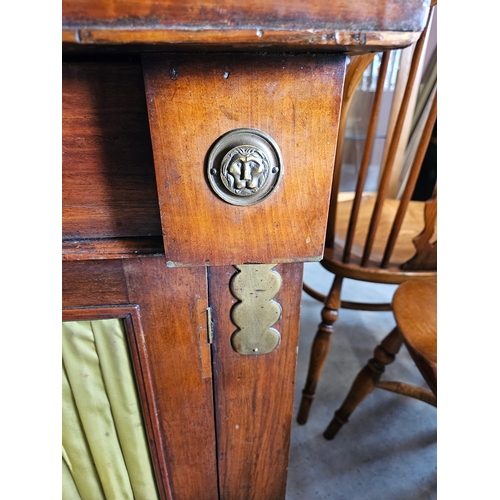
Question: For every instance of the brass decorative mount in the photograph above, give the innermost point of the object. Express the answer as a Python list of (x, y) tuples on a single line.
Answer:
[(244, 166)]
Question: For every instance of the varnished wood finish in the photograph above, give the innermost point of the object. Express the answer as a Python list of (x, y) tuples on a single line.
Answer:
[(111, 248), (108, 182), (192, 102), (352, 42), (372, 237), (347, 304), (426, 246), (120, 257), (387, 15), (366, 381), (365, 160), (252, 24), (404, 250), (354, 73), (102, 283), (415, 312), (172, 317), (392, 150), (408, 190), (320, 348), (408, 390), (254, 394)]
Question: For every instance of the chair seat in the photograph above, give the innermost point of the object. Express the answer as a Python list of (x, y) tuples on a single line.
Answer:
[(415, 311), (413, 223)]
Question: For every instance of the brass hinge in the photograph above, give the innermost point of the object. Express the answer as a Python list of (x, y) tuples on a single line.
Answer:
[(210, 325)]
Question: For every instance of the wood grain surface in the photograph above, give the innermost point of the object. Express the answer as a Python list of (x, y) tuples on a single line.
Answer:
[(108, 180), (192, 101), (111, 248), (390, 15), (415, 311), (254, 394), (175, 352), (315, 24), (135, 40)]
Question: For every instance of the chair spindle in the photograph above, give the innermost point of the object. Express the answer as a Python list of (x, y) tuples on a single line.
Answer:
[(391, 154), (354, 73), (410, 184), (365, 159)]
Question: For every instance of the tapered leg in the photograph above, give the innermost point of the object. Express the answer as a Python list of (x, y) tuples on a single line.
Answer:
[(366, 381), (320, 348)]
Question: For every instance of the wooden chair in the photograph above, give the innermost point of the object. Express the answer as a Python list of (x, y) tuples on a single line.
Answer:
[(415, 312), (372, 237)]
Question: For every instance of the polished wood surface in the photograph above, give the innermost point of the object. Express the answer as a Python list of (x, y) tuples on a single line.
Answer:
[(144, 237), (387, 15), (108, 179), (114, 257), (365, 381), (207, 97), (415, 312), (426, 243), (372, 237), (252, 24), (111, 248), (254, 394), (172, 364), (390, 156)]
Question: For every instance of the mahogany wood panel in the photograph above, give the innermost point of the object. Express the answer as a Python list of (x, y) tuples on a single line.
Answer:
[(254, 394), (192, 101), (93, 284), (172, 305), (112, 248), (389, 15), (353, 42), (109, 188)]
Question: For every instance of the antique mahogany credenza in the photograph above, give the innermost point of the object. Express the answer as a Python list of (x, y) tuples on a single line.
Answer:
[(198, 151)]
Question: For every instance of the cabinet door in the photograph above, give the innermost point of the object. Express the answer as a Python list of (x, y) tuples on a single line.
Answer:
[(165, 316)]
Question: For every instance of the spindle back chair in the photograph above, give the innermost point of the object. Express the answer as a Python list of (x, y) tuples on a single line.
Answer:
[(373, 237)]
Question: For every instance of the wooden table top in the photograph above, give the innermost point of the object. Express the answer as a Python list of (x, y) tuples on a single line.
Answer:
[(352, 26)]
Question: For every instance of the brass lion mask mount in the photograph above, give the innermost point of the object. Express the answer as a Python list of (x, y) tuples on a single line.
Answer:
[(244, 166)]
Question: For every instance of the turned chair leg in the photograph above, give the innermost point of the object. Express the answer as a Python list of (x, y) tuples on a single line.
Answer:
[(320, 348), (366, 381)]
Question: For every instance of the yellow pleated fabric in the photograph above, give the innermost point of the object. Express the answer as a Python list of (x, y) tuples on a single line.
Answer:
[(105, 452)]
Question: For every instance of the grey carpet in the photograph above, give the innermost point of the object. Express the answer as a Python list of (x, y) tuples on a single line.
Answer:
[(387, 451)]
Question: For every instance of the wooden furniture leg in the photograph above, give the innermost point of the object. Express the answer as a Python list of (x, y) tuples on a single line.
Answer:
[(320, 348), (366, 381)]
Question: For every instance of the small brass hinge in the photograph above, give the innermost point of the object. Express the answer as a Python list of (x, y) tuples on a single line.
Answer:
[(210, 325)]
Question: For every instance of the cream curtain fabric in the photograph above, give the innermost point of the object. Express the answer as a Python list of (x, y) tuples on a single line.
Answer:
[(105, 453)]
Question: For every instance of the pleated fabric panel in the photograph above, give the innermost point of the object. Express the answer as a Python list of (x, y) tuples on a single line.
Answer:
[(105, 451)]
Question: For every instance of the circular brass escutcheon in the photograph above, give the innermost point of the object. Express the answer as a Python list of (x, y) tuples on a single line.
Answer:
[(244, 166)]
